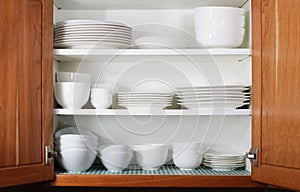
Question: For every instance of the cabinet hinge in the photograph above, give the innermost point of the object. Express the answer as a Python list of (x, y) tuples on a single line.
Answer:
[(50, 154), (253, 156)]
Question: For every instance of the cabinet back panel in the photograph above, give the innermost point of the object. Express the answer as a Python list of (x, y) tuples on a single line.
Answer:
[(30, 88), (280, 83)]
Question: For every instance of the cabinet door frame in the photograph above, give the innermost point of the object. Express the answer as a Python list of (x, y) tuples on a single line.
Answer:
[(36, 172), (264, 173)]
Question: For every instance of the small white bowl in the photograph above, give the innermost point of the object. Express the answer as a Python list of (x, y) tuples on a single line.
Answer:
[(187, 161), (116, 161), (101, 98), (76, 159), (192, 147), (71, 95), (151, 156), (73, 77)]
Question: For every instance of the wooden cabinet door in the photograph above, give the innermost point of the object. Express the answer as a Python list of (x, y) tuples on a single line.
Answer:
[(26, 90), (276, 92)]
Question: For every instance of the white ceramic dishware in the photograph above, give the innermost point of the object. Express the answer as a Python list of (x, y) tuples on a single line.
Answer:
[(108, 86), (150, 156), (106, 149), (72, 95), (61, 148), (159, 42), (73, 77), (76, 142), (101, 98), (189, 147), (75, 160), (117, 161), (73, 130), (187, 161)]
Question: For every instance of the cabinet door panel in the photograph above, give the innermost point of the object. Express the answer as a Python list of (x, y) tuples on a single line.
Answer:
[(276, 80), (26, 103), (29, 88), (8, 85)]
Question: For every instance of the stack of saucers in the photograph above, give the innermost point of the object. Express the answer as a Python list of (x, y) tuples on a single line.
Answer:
[(219, 97), (76, 148), (224, 162), (92, 34), (144, 100)]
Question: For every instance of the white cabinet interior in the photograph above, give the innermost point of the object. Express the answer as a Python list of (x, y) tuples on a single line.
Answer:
[(221, 130)]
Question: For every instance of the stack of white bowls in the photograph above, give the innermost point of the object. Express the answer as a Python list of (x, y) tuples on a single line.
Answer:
[(151, 156), (219, 27), (101, 95), (76, 148), (72, 89), (115, 158), (186, 155)]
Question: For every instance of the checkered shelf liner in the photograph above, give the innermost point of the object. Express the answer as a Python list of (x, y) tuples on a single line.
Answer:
[(164, 170)]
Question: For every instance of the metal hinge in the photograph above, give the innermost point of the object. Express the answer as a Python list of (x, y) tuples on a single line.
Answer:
[(253, 156), (50, 154)]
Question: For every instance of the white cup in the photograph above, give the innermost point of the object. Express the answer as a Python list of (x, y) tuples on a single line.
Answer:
[(101, 98)]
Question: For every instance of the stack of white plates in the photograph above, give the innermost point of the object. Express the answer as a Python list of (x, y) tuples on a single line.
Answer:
[(224, 162), (144, 100), (219, 97), (92, 33)]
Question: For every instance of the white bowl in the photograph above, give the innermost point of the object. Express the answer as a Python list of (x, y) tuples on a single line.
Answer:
[(187, 161), (61, 148), (108, 86), (117, 161), (71, 95), (76, 159), (220, 10), (151, 156), (107, 149), (75, 136), (73, 130), (73, 77), (76, 142), (159, 42), (179, 148), (101, 98)]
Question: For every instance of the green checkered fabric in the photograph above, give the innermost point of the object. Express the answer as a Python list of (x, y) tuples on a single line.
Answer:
[(164, 170)]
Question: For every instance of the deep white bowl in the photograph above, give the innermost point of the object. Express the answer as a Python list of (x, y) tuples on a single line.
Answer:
[(77, 142), (179, 148), (61, 148), (71, 95), (151, 156), (73, 77), (101, 98), (187, 161), (76, 159), (73, 130), (116, 161), (107, 149)]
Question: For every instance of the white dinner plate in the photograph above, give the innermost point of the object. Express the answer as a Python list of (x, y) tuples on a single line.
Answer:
[(90, 22), (213, 106), (91, 31), (68, 36), (99, 45)]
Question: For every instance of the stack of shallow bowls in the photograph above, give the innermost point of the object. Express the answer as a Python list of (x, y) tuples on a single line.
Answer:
[(186, 155), (219, 27), (115, 158), (76, 148), (151, 156), (72, 90)]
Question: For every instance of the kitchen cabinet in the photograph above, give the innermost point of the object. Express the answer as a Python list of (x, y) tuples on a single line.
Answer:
[(275, 76), (26, 91)]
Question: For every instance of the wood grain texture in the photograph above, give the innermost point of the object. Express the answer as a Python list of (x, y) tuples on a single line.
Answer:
[(34, 81), (154, 181), (8, 83), (276, 91)]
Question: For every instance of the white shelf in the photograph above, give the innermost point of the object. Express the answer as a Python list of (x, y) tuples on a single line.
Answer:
[(98, 54), (142, 5), (171, 112)]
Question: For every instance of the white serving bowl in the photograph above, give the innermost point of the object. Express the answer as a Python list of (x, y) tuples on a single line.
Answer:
[(101, 98), (72, 95), (151, 156), (116, 161), (107, 149), (187, 161), (73, 77), (73, 130), (179, 148), (76, 159), (159, 42)]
